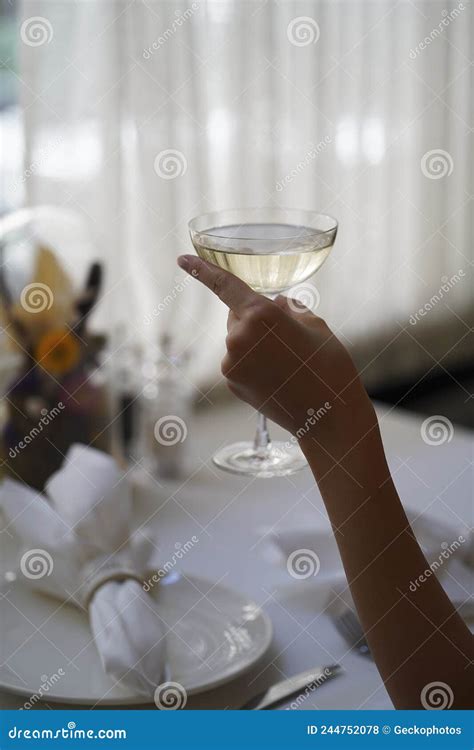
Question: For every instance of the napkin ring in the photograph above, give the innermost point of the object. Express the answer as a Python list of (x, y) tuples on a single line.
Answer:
[(110, 571)]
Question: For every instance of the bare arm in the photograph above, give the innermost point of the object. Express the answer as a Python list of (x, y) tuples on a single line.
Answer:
[(416, 637), (415, 634)]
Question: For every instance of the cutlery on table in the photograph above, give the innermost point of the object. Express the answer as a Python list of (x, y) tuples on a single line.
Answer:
[(281, 691), (350, 628)]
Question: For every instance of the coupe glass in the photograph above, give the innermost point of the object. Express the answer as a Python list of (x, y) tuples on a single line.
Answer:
[(272, 250)]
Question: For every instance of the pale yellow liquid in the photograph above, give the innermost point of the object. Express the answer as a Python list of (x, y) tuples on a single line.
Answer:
[(270, 258)]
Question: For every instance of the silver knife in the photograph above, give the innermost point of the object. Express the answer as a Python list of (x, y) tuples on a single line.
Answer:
[(311, 680)]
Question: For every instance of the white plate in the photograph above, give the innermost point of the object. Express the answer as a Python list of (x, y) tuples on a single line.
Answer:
[(215, 635)]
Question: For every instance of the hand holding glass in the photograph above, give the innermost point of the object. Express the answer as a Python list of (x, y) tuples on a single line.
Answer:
[(271, 250)]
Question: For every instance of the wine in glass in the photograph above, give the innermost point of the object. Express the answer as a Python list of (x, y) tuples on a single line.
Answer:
[(271, 250)]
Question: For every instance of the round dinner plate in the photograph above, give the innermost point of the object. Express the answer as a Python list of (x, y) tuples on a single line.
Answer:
[(214, 635)]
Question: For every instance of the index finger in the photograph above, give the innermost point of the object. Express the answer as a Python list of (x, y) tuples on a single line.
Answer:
[(234, 292)]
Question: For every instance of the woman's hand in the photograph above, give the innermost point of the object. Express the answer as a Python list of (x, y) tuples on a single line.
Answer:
[(282, 359)]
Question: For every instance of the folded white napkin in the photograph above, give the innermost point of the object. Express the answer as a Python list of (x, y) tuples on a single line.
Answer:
[(78, 547), (311, 553), (307, 557)]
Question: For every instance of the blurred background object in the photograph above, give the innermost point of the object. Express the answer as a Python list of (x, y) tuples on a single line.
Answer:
[(164, 413), (141, 115), (53, 394)]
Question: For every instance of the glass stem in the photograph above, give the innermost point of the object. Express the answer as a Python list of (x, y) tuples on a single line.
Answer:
[(262, 442)]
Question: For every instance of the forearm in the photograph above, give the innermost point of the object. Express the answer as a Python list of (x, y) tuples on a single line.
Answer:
[(416, 637)]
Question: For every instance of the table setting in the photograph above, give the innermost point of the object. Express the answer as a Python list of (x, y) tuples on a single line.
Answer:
[(205, 605)]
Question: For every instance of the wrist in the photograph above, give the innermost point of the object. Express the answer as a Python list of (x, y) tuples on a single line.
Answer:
[(337, 421), (345, 436)]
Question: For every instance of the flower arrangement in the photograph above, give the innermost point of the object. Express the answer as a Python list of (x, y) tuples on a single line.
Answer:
[(55, 398)]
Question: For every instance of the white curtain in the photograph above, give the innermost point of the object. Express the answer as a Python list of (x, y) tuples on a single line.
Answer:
[(358, 109)]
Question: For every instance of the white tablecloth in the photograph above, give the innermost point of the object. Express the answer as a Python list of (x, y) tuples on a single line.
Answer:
[(224, 512)]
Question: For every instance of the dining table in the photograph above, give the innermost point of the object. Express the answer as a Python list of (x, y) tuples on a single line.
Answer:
[(233, 522)]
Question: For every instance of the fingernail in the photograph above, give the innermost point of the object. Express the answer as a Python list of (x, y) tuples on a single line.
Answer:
[(185, 262)]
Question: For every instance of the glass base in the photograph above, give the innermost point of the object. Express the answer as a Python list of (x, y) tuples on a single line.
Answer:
[(278, 460)]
